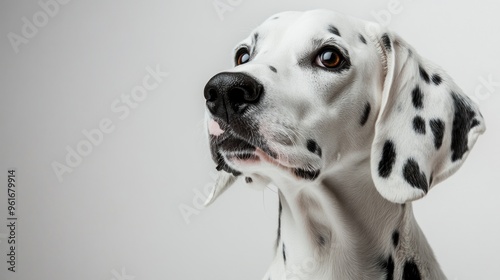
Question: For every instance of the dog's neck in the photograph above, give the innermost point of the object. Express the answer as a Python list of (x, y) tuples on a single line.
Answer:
[(341, 228)]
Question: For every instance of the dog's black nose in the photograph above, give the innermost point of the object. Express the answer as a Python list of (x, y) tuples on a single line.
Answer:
[(229, 94)]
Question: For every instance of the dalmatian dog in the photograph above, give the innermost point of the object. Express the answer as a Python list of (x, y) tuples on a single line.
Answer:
[(351, 125)]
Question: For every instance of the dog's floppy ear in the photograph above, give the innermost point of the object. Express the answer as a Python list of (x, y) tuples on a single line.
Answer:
[(425, 127)]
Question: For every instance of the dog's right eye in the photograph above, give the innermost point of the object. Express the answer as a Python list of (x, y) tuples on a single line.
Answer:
[(329, 58), (242, 56)]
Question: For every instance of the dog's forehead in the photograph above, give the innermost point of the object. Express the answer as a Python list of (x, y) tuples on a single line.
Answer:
[(306, 26)]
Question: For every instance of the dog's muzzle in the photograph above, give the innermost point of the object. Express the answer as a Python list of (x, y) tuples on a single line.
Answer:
[(228, 95)]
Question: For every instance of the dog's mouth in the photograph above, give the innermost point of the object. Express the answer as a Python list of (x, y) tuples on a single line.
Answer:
[(235, 148)]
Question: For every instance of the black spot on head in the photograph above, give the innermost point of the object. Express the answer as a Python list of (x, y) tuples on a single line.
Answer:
[(424, 74), (388, 159), (395, 238), (388, 266), (284, 254), (437, 128), (463, 121), (413, 175), (419, 125), (248, 180), (436, 79), (334, 30), (313, 147), (387, 41), (362, 39), (321, 240), (410, 271), (273, 69), (306, 174), (366, 114), (410, 52), (417, 98), (275, 18), (255, 39)]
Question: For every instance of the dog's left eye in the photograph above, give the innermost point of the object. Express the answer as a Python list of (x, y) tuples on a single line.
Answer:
[(242, 56), (329, 58)]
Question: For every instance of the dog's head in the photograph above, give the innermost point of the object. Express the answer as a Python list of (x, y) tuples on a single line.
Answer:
[(312, 91)]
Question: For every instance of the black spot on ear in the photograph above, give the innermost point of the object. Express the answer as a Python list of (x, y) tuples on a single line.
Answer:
[(313, 147), (284, 254), (388, 266), (366, 114), (463, 121), (248, 180), (388, 159), (474, 123), (437, 128), (424, 74), (306, 174), (395, 238), (417, 98), (412, 175), (387, 41), (334, 30), (410, 271), (419, 125), (273, 69), (362, 39), (436, 79)]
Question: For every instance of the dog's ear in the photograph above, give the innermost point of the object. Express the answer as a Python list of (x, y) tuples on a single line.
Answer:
[(425, 127), (222, 183)]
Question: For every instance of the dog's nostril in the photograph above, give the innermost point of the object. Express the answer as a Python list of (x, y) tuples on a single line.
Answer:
[(211, 94)]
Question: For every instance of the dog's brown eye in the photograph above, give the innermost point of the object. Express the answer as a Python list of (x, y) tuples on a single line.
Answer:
[(242, 57), (329, 58)]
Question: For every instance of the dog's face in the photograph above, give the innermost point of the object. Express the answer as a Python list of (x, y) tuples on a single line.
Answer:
[(314, 90)]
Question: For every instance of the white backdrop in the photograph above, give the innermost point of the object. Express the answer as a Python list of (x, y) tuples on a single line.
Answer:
[(113, 208)]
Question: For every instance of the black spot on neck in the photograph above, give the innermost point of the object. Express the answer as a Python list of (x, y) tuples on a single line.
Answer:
[(362, 39), (462, 123), (366, 114), (273, 69), (388, 266), (413, 175), (334, 30), (437, 128), (424, 74), (395, 238), (417, 98), (388, 159), (419, 125), (436, 79), (410, 271), (313, 147), (387, 42)]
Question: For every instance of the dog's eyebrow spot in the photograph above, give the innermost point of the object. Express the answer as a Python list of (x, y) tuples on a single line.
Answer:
[(255, 39), (436, 79), (388, 159), (334, 30), (424, 74), (248, 180), (273, 69), (437, 128), (419, 125), (395, 238), (387, 41), (417, 98), (413, 175), (410, 271), (366, 114), (362, 39), (313, 147)]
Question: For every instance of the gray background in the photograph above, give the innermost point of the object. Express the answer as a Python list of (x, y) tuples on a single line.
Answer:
[(117, 214)]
